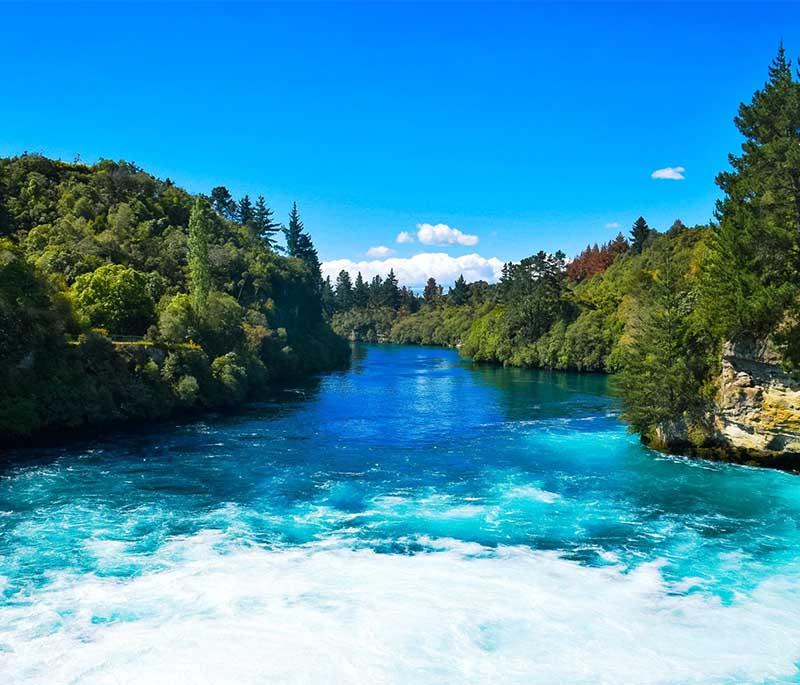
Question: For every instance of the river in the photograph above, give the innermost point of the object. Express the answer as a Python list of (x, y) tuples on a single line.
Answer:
[(415, 519)]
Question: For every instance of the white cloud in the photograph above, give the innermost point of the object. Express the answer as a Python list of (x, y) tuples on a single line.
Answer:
[(612, 225), (671, 173), (405, 237), (380, 251), (442, 234), (415, 271)]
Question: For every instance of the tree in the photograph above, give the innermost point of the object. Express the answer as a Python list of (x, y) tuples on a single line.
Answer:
[(666, 363), (265, 227), (328, 298), (432, 292), (299, 245), (360, 292), (639, 235), (344, 291), (244, 212), (459, 293), (753, 266), (293, 232), (223, 203), (391, 293), (376, 292), (114, 297), (199, 271)]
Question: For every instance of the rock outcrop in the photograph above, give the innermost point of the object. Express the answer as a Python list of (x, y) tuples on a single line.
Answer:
[(755, 416), (758, 403)]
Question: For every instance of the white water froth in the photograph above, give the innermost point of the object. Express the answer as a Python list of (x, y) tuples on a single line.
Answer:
[(327, 613)]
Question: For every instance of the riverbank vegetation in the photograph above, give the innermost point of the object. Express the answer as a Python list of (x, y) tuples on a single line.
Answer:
[(123, 297), (655, 307)]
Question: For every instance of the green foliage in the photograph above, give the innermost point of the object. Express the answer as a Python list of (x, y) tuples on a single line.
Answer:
[(97, 246), (751, 287), (116, 298), (667, 361), (199, 269)]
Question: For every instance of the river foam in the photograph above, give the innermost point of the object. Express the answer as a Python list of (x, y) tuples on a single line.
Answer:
[(331, 612)]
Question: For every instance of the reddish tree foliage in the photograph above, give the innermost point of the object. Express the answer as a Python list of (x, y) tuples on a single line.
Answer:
[(595, 260)]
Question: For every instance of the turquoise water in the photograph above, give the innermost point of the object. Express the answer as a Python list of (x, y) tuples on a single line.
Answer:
[(414, 519)]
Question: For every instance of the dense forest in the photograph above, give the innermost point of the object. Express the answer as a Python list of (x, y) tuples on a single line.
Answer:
[(123, 297), (653, 308)]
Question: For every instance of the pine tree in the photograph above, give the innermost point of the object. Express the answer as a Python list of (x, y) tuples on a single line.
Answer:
[(754, 263), (360, 292), (376, 292), (245, 211), (265, 227), (432, 292), (299, 245), (391, 293), (667, 361), (328, 298), (459, 293), (197, 243), (293, 232), (344, 291), (639, 235), (223, 203)]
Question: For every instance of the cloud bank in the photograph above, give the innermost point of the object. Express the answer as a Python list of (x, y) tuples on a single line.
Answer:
[(415, 271), (442, 234), (612, 225), (405, 237), (670, 173), (380, 251)]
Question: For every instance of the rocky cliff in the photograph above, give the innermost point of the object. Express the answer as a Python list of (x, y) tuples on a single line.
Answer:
[(755, 417), (757, 404)]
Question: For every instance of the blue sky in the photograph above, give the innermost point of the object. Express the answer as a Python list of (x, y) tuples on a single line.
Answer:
[(529, 126)]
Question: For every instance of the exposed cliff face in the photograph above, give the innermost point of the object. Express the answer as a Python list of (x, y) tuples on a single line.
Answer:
[(754, 419), (757, 404)]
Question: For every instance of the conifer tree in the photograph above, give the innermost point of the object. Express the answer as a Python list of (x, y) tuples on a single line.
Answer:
[(197, 243), (344, 291), (328, 298), (265, 227), (299, 245), (668, 360), (223, 203), (639, 235), (459, 293), (360, 292), (754, 263), (432, 292), (391, 293), (245, 211)]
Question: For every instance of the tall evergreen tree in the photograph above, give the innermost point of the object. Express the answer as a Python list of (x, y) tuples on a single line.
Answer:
[(197, 243), (328, 298), (360, 292), (344, 291), (223, 203), (264, 225), (639, 235), (432, 292), (668, 360), (293, 232), (754, 263), (459, 293), (298, 243), (245, 211), (391, 293), (376, 292)]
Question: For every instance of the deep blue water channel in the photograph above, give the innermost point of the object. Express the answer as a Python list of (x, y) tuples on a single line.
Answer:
[(414, 519)]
